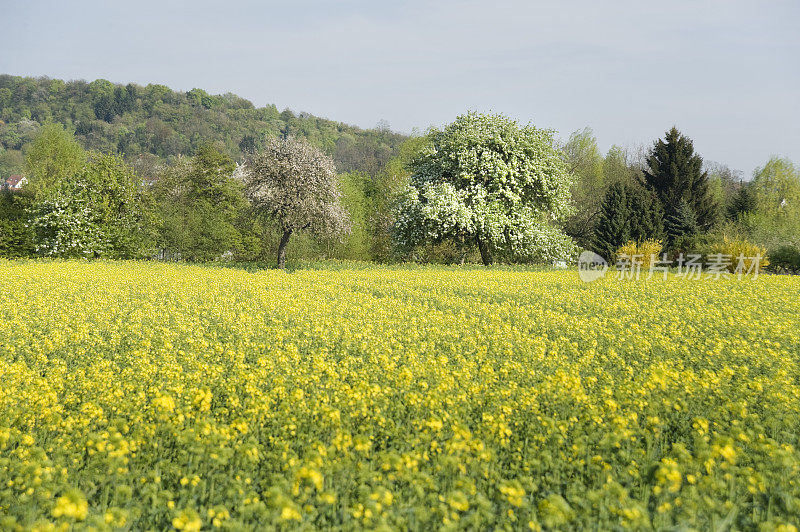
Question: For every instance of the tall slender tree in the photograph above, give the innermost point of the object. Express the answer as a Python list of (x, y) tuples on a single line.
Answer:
[(675, 173), (612, 229), (585, 163)]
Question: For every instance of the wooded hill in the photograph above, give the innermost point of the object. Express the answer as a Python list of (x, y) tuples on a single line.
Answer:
[(150, 124)]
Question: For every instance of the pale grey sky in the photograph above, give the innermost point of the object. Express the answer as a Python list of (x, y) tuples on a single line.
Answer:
[(727, 73)]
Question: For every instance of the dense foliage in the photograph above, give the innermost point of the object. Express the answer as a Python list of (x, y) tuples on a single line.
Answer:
[(628, 212), (587, 167), (199, 206), (16, 239), (53, 155), (157, 396), (96, 212), (143, 122), (481, 189), (485, 180), (694, 205), (675, 173), (774, 216), (294, 184)]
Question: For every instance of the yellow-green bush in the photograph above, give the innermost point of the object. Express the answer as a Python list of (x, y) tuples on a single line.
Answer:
[(736, 251), (151, 396), (643, 251)]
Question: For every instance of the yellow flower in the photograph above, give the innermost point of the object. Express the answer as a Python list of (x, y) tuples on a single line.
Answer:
[(165, 403), (73, 505), (158, 384), (727, 452), (187, 520), (312, 475), (202, 400), (513, 492), (290, 513), (458, 501), (115, 517)]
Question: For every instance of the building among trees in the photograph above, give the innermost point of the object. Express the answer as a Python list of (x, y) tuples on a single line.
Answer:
[(15, 182)]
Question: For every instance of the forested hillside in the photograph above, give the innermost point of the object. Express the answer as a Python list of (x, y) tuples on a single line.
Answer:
[(150, 124)]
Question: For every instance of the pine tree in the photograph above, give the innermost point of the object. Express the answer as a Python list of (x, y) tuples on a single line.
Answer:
[(628, 212), (647, 216), (675, 173), (682, 222), (743, 201), (613, 227)]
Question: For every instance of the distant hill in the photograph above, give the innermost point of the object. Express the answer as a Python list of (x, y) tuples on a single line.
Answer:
[(153, 123)]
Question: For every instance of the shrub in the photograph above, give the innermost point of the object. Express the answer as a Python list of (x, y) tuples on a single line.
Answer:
[(786, 258), (98, 212), (645, 252), (64, 224), (16, 238), (737, 250)]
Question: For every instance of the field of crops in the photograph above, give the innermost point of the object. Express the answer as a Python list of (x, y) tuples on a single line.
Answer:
[(157, 396)]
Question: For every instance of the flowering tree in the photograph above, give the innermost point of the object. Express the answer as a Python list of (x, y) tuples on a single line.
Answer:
[(98, 212), (65, 225), (485, 180), (295, 184)]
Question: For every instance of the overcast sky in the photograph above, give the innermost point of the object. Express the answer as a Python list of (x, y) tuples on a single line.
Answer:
[(727, 73)]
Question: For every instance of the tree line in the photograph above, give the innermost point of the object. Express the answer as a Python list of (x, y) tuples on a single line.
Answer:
[(482, 189), (669, 194), (207, 207)]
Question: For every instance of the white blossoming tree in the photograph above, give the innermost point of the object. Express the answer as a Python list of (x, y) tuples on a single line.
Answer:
[(100, 211), (295, 184), (486, 181)]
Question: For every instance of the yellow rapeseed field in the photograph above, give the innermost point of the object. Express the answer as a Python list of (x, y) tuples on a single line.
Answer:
[(152, 396)]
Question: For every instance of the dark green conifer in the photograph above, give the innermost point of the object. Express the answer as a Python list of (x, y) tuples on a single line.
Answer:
[(675, 173), (628, 212)]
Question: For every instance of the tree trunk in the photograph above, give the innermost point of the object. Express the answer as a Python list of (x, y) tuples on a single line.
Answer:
[(486, 257), (282, 248)]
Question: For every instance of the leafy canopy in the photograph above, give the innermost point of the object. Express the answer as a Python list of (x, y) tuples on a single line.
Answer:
[(199, 206), (586, 164), (53, 155), (154, 120), (100, 211), (294, 183), (485, 179)]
